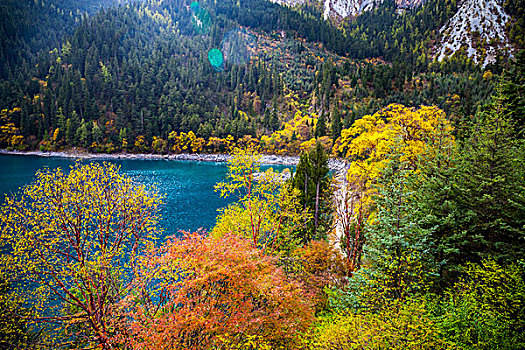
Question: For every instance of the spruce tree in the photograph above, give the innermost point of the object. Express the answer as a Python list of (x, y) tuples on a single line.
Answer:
[(266, 120), (303, 182), (321, 179), (337, 125), (397, 246), (492, 188), (275, 118), (320, 128), (512, 93), (435, 201), (313, 182)]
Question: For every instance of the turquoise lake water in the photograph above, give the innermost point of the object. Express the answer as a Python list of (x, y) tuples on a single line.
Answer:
[(190, 201)]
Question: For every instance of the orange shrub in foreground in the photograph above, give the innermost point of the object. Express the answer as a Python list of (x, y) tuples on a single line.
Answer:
[(200, 292), (319, 265)]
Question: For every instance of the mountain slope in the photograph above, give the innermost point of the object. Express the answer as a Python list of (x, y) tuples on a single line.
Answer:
[(341, 9), (134, 77), (478, 27), (28, 27)]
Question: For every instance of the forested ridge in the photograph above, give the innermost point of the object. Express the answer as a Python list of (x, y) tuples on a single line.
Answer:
[(137, 73), (418, 243)]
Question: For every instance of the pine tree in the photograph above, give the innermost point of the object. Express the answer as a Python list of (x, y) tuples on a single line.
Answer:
[(313, 182), (320, 128), (337, 125)]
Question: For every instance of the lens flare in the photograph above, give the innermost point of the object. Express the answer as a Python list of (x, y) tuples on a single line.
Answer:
[(216, 59), (238, 46)]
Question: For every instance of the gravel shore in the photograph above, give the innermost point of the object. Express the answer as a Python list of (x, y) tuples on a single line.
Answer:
[(334, 164)]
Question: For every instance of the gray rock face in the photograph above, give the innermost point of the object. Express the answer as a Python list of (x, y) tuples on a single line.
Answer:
[(340, 9), (477, 24)]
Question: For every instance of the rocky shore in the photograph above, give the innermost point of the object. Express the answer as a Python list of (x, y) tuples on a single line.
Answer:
[(334, 164)]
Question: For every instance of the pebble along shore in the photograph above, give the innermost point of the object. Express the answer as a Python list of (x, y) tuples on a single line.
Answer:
[(334, 164)]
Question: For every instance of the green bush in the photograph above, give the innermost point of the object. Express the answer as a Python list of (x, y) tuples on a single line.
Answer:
[(400, 325), (486, 309)]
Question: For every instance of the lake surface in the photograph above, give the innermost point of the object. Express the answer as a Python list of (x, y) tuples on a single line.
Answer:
[(190, 201)]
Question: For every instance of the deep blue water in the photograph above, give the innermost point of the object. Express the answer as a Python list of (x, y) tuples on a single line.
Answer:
[(190, 201)]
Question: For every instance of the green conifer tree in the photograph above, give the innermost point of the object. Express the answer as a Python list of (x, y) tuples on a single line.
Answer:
[(313, 182), (492, 188), (320, 128), (337, 125)]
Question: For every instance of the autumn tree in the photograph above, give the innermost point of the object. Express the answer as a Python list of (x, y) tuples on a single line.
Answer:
[(70, 243), (406, 131), (198, 292), (349, 221), (10, 135), (411, 136), (267, 211), (14, 321)]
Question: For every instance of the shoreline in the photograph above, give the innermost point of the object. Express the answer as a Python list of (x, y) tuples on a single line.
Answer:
[(266, 159)]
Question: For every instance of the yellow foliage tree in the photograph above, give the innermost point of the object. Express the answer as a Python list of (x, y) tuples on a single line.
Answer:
[(410, 135), (307, 145), (197, 144), (371, 140), (267, 210), (186, 142), (140, 144), (9, 133), (158, 145), (291, 139), (69, 243)]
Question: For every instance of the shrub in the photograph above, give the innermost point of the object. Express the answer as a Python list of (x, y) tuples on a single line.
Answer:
[(401, 325), (486, 309), (201, 292)]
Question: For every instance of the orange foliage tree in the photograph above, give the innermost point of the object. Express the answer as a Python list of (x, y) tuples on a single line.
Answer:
[(199, 292), (318, 264)]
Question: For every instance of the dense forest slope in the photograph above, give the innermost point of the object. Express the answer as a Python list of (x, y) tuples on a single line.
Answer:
[(137, 73), (482, 29), (29, 27)]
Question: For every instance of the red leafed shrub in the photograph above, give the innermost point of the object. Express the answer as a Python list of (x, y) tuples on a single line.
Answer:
[(200, 292), (319, 265)]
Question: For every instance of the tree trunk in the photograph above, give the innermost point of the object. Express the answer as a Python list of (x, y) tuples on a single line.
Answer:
[(316, 208), (305, 198)]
